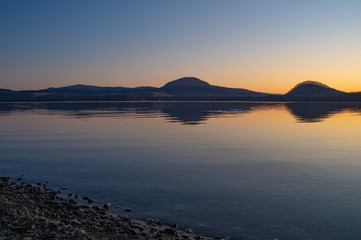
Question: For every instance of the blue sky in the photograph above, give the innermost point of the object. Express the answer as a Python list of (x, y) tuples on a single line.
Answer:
[(259, 45)]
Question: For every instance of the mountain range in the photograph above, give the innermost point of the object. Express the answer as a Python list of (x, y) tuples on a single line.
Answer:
[(187, 88)]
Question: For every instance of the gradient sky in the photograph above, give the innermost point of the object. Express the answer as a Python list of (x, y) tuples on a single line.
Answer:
[(260, 45)]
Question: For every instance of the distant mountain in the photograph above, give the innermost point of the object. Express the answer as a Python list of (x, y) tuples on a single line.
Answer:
[(80, 89), (187, 88), (2, 90), (313, 89), (186, 82), (6, 93), (194, 87)]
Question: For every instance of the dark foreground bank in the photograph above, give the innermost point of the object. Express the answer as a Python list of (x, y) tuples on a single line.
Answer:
[(35, 212)]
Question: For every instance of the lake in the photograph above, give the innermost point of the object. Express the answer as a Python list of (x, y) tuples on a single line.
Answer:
[(238, 169)]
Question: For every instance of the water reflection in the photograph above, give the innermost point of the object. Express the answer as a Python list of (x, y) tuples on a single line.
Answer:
[(230, 177), (188, 113), (317, 112)]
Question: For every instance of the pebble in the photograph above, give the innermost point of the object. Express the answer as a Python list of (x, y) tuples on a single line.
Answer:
[(75, 222), (170, 230), (88, 199), (107, 205), (150, 220)]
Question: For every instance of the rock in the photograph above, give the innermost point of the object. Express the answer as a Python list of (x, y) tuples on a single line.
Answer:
[(132, 231), (5, 179), (127, 210), (150, 220), (96, 208), (171, 231), (107, 205), (75, 222), (88, 199)]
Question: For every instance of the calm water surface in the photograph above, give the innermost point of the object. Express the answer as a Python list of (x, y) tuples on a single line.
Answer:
[(244, 170)]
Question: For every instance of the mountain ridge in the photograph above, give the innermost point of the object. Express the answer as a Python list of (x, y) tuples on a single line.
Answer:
[(186, 88)]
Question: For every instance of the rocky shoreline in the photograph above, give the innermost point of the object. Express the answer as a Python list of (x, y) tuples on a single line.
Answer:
[(32, 211)]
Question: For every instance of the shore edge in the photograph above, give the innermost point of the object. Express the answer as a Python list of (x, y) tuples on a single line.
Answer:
[(32, 211)]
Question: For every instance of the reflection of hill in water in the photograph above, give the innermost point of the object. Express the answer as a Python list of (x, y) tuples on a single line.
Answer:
[(185, 112), (189, 113), (199, 112), (317, 112)]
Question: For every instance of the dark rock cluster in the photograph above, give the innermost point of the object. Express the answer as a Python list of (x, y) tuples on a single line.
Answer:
[(35, 212)]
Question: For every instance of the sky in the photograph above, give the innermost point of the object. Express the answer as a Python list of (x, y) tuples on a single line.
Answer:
[(260, 45)]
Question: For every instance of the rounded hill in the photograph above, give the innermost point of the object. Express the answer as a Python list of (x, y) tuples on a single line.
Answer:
[(313, 88), (186, 82)]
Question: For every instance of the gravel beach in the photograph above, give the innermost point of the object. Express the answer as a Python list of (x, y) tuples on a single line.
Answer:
[(32, 211)]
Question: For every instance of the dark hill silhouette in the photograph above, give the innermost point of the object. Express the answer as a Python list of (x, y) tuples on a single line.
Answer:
[(187, 88), (185, 82), (194, 87), (313, 89), (88, 89), (5, 90)]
